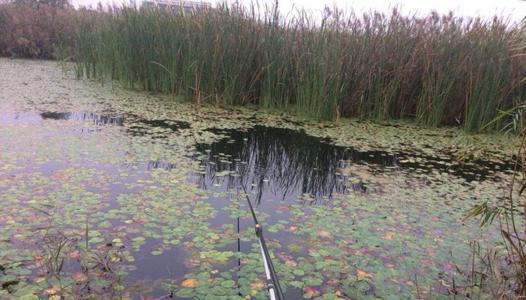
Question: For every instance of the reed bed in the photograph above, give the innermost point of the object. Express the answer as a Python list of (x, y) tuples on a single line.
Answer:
[(437, 70)]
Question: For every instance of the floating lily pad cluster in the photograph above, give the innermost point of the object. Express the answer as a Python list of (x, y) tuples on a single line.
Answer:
[(113, 193)]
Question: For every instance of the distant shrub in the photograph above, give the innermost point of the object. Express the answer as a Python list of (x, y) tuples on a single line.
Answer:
[(34, 30)]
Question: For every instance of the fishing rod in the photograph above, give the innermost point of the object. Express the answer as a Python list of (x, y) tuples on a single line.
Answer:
[(273, 286)]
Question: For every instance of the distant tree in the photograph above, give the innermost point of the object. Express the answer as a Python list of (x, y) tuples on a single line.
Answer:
[(53, 3)]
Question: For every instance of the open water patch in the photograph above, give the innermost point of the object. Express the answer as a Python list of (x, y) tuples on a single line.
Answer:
[(96, 118), (134, 124), (284, 163)]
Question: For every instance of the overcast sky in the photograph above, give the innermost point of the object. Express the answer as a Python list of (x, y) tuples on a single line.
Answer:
[(515, 9)]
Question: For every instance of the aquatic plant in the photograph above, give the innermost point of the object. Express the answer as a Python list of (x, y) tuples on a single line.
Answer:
[(505, 267), (438, 70), (147, 222)]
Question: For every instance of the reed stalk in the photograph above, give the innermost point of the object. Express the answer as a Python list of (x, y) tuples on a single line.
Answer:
[(437, 70)]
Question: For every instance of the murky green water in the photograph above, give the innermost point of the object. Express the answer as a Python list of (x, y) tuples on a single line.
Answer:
[(113, 193)]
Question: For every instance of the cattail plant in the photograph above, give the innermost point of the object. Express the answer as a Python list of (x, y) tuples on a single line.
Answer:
[(437, 70)]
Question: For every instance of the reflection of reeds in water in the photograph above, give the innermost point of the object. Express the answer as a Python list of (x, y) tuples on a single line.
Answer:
[(285, 162), (289, 163), (97, 119), (159, 164)]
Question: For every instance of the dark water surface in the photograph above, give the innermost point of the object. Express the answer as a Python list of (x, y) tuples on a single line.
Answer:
[(292, 163), (97, 119)]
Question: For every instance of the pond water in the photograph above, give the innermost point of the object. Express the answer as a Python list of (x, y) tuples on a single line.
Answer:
[(112, 193)]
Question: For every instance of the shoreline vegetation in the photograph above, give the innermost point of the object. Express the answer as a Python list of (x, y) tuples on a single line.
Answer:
[(436, 70)]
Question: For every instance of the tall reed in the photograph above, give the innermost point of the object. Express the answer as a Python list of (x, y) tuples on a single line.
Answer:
[(437, 70)]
